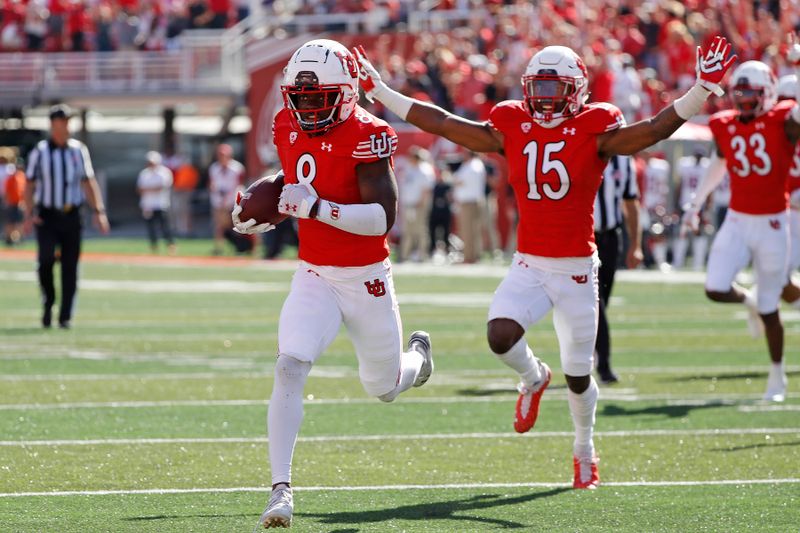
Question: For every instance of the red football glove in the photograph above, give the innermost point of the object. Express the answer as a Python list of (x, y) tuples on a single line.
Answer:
[(370, 79), (712, 66)]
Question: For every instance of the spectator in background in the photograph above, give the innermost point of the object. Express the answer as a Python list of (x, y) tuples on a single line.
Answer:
[(185, 179), (656, 215), (470, 197), (691, 170), (14, 192), (36, 24), (154, 188), (225, 177), (415, 187), (441, 213)]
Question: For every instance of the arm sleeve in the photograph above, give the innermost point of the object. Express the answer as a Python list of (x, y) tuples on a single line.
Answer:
[(360, 219)]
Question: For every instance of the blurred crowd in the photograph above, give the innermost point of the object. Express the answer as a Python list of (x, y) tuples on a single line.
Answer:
[(109, 25), (640, 55)]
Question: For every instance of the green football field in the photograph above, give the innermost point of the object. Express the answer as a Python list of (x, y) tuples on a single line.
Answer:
[(150, 414)]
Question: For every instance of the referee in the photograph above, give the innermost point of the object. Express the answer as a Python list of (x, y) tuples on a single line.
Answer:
[(60, 177), (617, 201)]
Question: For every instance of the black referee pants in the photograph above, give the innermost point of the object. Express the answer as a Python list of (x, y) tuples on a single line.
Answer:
[(63, 231), (608, 248)]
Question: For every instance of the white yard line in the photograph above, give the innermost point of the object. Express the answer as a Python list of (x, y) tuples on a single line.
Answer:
[(622, 395), (425, 436), (447, 486), (323, 371)]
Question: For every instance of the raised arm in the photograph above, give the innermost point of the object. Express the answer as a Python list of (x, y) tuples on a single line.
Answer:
[(792, 124), (476, 136), (711, 68)]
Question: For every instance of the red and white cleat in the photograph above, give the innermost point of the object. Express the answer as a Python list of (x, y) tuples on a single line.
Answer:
[(528, 402), (586, 475)]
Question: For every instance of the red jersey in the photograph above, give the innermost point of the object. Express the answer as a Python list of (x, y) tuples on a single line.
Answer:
[(793, 183), (327, 163), (758, 156), (555, 174)]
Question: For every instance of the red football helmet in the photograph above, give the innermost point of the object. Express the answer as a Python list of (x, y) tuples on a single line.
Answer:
[(555, 85), (320, 85)]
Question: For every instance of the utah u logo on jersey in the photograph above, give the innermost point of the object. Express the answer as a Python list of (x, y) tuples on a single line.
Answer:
[(380, 146), (775, 223), (376, 288), (580, 280)]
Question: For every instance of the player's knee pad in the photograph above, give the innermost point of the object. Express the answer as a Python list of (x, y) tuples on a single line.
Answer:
[(289, 370)]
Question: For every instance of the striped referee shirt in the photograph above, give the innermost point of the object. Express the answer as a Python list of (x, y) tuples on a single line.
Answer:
[(58, 172), (618, 183)]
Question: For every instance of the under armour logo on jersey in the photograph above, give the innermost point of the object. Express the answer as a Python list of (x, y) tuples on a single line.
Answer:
[(568, 131), (760, 125), (376, 288), (380, 146), (580, 280), (293, 137), (775, 223), (292, 208), (526, 127), (327, 147), (731, 129)]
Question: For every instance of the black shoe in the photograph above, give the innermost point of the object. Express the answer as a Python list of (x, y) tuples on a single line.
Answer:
[(47, 317), (64, 324), (608, 377)]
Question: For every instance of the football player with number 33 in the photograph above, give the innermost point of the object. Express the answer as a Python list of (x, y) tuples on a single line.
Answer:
[(755, 143), (337, 160), (557, 146)]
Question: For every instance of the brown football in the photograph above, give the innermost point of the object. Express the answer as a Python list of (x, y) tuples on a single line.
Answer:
[(260, 200)]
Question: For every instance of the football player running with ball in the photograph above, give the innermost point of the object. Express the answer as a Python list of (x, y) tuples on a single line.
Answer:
[(557, 146), (755, 143), (337, 160)]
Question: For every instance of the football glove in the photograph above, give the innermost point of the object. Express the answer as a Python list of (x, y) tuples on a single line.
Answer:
[(296, 200), (248, 227), (371, 80), (712, 66)]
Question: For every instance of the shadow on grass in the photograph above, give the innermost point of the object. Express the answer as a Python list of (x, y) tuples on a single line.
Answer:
[(441, 510), (753, 446), (500, 392), (25, 331), (669, 411), (724, 377), (183, 517)]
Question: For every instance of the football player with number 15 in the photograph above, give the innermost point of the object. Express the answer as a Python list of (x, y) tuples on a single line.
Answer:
[(557, 146), (339, 183)]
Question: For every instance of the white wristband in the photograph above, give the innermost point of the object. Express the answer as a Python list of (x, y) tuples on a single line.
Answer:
[(796, 113), (361, 219), (692, 102), (397, 103)]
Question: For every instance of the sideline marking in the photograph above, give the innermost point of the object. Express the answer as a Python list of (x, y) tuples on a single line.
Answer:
[(542, 485), (431, 436)]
